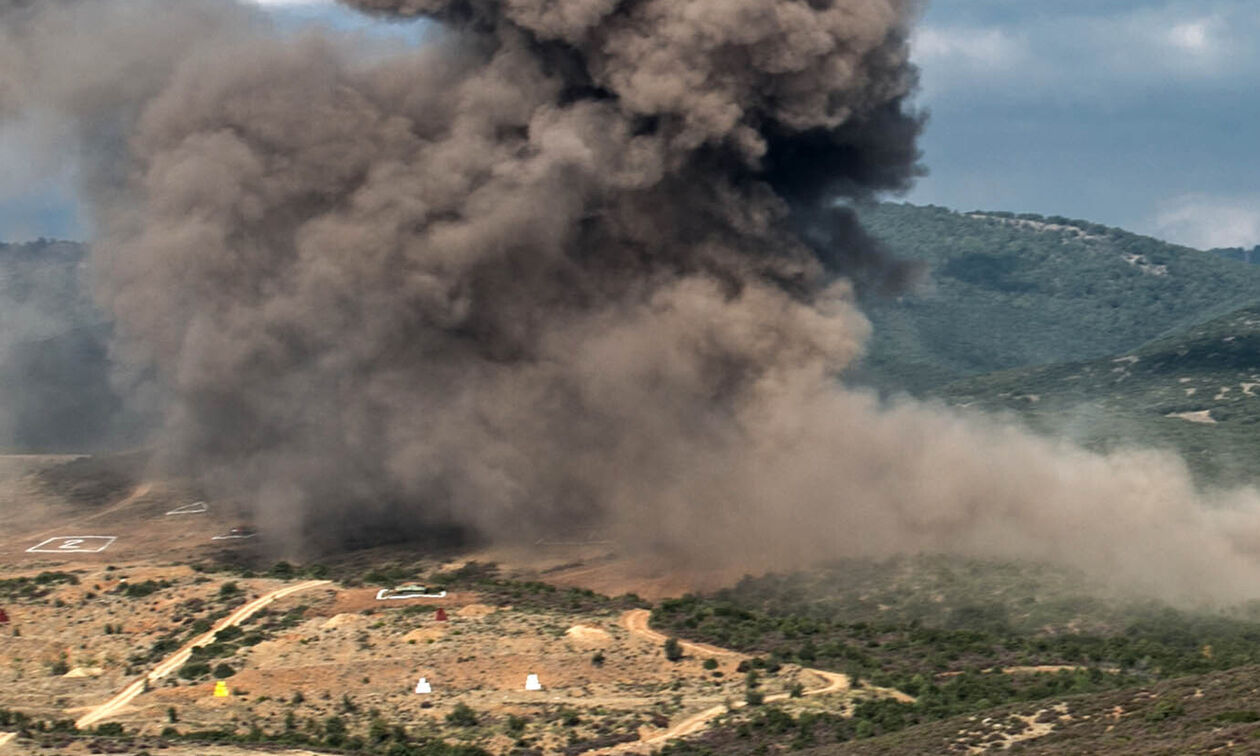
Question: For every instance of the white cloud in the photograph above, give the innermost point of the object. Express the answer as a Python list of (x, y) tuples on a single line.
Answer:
[(934, 45), (1192, 36), (1207, 221)]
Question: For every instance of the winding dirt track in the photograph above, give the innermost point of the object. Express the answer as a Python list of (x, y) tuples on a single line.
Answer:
[(136, 494), (177, 660), (636, 621)]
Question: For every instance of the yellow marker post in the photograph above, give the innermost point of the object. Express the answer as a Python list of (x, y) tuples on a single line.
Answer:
[(221, 690)]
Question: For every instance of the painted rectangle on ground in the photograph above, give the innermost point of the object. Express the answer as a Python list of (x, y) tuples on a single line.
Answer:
[(73, 545)]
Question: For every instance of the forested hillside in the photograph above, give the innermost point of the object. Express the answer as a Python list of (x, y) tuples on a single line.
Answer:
[(1004, 291), (986, 650), (1194, 391), (1000, 291)]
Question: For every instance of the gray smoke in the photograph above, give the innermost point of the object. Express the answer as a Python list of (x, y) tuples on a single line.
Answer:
[(53, 365), (574, 263)]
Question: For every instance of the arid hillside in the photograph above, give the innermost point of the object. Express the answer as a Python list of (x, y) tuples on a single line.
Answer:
[(124, 618)]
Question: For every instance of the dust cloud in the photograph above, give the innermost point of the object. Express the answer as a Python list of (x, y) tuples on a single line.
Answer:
[(568, 264)]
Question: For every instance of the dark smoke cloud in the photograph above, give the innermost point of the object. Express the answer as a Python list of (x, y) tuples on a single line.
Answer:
[(573, 263), (374, 285)]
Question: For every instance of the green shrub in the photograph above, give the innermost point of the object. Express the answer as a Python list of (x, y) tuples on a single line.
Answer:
[(1165, 709), (194, 670), (1238, 717), (140, 590), (334, 730), (228, 634), (673, 649), (462, 716)]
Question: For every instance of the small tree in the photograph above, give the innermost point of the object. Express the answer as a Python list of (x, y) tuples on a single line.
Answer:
[(224, 670), (462, 716), (598, 659), (172, 715), (335, 730), (59, 667), (710, 663), (673, 649)]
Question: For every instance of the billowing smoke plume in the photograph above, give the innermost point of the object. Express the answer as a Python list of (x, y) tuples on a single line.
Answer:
[(572, 263)]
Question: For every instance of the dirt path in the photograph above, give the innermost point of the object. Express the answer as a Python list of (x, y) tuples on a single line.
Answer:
[(177, 660), (67, 525), (636, 621), (5, 737)]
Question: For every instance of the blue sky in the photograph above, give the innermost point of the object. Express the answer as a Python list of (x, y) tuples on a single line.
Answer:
[(1143, 114)]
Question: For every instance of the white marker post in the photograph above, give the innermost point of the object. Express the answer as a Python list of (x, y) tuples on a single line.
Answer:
[(423, 687), (531, 683)]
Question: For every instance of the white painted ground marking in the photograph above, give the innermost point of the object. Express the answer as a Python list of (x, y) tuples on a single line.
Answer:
[(233, 537), (197, 507), (74, 545)]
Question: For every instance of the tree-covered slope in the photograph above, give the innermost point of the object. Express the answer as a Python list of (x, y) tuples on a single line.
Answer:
[(993, 654), (1004, 291), (1196, 391)]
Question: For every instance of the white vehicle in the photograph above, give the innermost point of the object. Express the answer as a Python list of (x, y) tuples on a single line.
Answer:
[(240, 531), (407, 592)]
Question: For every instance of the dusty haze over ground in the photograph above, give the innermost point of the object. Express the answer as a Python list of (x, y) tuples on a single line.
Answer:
[(571, 264)]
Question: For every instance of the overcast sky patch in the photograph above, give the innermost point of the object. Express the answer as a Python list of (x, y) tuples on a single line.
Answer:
[(1132, 113), (1206, 221)]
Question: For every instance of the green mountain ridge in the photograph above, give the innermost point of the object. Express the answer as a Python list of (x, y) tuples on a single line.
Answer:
[(1005, 291)]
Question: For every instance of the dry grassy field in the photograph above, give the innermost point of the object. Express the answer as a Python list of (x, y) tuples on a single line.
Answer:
[(87, 623)]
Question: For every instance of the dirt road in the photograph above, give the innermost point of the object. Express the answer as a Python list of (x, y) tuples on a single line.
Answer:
[(136, 494), (177, 660), (636, 621), (5, 737)]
